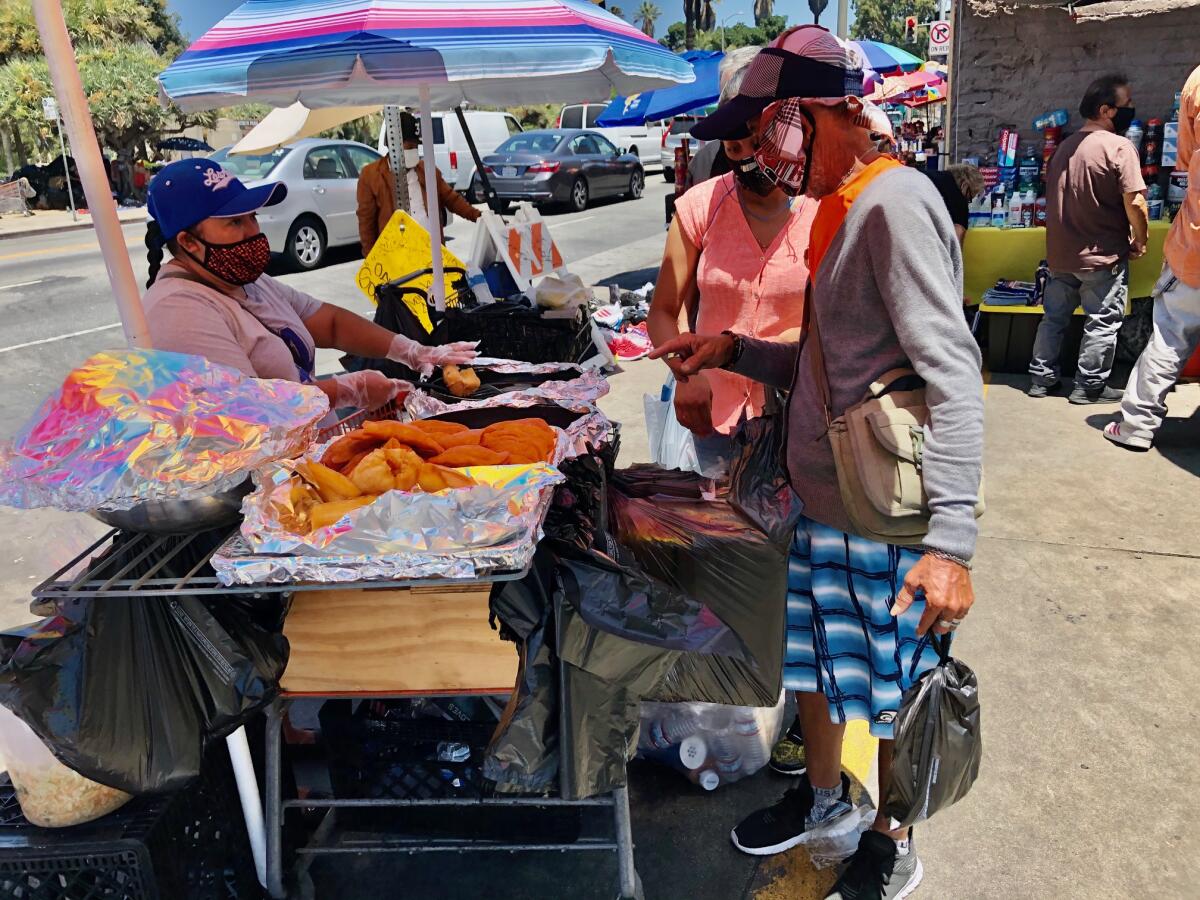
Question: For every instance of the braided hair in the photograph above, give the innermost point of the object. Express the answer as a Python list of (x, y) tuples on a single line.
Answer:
[(154, 249)]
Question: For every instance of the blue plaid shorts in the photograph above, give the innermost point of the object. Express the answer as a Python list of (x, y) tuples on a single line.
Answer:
[(842, 640)]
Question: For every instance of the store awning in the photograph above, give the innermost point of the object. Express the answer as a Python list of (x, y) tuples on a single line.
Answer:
[(1086, 10)]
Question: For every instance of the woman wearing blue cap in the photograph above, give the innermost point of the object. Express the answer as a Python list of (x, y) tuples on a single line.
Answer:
[(212, 298)]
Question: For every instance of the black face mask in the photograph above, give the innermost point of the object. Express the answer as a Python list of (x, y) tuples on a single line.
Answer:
[(1123, 119), (750, 176)]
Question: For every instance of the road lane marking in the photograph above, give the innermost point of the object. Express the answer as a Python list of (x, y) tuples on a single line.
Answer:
[(68, 248), (5, 287), (554, 225), (61, 337)]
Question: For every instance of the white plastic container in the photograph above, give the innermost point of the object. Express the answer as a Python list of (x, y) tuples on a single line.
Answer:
[(51, 794)]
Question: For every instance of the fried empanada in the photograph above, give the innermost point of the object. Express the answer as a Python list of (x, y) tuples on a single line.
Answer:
[(373, 475), (414, 437), (457, 457)]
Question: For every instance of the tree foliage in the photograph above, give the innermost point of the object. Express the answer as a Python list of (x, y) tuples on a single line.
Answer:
[(883, 20), (647, 15), (737, 35)]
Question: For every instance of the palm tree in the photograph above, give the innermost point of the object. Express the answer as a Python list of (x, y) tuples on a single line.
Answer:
[(648, 14), (708, 16), (763, 9), (692, 10)]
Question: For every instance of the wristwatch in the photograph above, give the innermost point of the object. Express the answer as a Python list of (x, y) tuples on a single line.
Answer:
[(739, 345)]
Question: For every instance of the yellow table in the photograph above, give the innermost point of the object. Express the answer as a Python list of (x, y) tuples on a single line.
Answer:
[(990, 254)]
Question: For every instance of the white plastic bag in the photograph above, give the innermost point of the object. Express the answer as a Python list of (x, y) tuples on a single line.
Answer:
[(710, 743), (51, 794), (558, 292), (671, 445)]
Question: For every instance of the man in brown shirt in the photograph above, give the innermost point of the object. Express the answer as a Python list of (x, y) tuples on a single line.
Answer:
[(377, 191), (1096, 219)]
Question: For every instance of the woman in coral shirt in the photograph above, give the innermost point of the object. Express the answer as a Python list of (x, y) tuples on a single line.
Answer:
[(735, 261)]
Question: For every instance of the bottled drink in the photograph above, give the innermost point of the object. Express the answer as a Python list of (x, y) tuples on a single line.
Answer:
[(1134, 133), (693, 752), (1027, 209), (709, 780), (1152, 143), (1154, 200), (745, 727), (1057, 117)]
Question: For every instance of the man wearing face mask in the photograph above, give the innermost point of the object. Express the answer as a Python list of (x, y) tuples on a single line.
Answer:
[(1096, 221), (734, 258), (377, 190), (885, 293), (213, 298)]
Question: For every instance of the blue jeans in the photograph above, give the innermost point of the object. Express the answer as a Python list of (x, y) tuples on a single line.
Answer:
[(1102, 293)]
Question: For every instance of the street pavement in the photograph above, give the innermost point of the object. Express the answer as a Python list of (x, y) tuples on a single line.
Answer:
[(1083, 638)]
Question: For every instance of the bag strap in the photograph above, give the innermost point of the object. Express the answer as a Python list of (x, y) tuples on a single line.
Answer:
[(813, 334), (884, 382)]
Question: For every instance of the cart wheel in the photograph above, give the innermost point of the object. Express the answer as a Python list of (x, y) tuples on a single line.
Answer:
[(639, 892)]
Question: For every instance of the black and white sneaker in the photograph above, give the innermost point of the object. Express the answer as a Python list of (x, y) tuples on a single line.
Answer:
[(782, 826), (788, 756), (877, 871)]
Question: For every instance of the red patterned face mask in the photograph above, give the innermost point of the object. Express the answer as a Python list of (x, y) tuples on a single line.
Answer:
[(785, 145), (238, 263)]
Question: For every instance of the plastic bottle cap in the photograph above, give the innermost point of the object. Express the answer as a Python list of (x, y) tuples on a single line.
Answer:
[(709, 780), (693, 752)]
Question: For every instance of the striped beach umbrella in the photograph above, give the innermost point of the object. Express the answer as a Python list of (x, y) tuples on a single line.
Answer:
[(885, 58), (363, 52)]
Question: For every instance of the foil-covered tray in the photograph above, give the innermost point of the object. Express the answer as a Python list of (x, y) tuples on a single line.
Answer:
[(133, 426), (461, 533)]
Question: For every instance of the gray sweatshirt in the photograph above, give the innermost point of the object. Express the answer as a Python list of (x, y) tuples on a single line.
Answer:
[(888, 294)]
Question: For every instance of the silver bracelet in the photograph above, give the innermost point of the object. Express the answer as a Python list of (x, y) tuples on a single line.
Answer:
[(942, 554)]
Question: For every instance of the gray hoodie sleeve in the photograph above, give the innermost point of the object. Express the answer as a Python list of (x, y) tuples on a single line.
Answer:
[(772, 363), (923, 295)]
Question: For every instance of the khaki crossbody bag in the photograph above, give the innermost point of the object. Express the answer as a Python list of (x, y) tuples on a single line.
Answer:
[(878, 448)]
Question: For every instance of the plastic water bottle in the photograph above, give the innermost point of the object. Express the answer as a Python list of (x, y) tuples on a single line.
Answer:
[(669, 730), (1058, 117), (693, 752), (749, 737), (1134, 133), (999, 216), (708, 779)]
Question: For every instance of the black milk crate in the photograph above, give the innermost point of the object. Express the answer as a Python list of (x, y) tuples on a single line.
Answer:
[(396, 759), (523, 334), (188, 845)]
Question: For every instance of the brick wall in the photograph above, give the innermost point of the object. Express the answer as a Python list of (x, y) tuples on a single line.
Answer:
[(1012, 68)]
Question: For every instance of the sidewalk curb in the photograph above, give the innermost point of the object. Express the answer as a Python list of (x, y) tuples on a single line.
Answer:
[(58, 229)]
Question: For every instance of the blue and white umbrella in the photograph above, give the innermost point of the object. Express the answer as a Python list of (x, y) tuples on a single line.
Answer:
[(650, 106)]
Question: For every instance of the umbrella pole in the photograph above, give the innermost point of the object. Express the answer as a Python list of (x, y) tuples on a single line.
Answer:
[(68, 87), (433, 208)]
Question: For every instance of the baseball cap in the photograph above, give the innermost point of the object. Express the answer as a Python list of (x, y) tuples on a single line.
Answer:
[(190, 190), (808, 61)]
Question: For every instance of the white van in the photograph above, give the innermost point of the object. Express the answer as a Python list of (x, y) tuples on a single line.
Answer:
[(489, 129), (643, 141)]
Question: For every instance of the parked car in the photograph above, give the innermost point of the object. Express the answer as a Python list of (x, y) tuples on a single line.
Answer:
[(450, 149), (680, 127), (319, 211), (640, 140), (562, 165)]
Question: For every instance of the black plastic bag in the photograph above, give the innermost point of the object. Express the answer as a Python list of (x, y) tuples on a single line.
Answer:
[(128, 691), (758, 483), (938, 743)]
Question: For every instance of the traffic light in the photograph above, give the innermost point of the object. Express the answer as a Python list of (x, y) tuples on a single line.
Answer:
[(910, 28)]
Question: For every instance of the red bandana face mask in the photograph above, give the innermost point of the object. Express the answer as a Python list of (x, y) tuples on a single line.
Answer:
[(785, 145), (238, 263)]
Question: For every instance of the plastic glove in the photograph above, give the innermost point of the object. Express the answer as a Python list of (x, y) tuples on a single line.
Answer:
[(367, 389), (423, 359)]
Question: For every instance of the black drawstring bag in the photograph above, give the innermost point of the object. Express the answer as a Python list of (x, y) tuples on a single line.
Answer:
[(938, 743)]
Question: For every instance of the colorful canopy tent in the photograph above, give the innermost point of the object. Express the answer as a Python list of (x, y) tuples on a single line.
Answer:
[(329, 53), (884, 58)]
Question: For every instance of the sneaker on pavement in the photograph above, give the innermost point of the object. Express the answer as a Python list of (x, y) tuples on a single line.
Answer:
[(1123, 436), (877, 871), (1082, 396), (782, 826), (788, 756), (1037, 391)]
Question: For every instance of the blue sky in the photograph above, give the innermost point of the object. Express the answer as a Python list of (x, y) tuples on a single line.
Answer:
[(197, 16)]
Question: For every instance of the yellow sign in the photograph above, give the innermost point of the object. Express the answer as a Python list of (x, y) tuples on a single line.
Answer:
[(403, 248)]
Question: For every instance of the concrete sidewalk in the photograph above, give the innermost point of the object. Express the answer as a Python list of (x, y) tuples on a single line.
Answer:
[(52, 221)]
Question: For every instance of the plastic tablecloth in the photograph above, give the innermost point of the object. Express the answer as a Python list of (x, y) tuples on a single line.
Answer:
[(990, 254)]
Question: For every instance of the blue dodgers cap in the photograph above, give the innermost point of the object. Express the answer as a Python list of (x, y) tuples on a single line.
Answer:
[(190, 190)]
